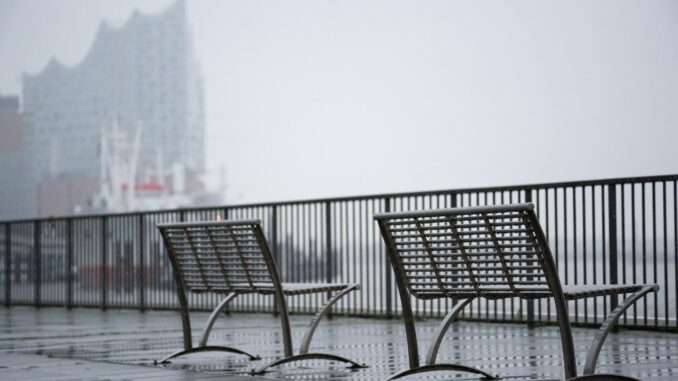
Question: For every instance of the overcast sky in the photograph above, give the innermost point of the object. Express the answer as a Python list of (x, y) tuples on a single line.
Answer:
[(329, 98)]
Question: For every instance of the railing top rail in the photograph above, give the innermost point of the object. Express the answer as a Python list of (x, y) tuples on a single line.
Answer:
[(506, 188), (207, 224), (467, 210)]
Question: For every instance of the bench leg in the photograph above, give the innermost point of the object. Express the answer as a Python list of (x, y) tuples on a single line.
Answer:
[(308, 336), (433, 348), (308, 356), (207, 348), (213, 317), (442, 329), (202, 346), (603, 377), (608, 324), (447, 367)]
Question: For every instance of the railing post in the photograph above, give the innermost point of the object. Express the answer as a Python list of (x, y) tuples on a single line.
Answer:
[(37, 258), (227, 308), (453, 204), (142, 264), (388, 281), (530, 303), (329, 260), (274, 249), (69, 263), (104, 264), (612, 212), (8, 264), (182, 218)]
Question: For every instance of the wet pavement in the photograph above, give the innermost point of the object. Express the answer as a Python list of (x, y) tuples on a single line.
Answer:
[(85, 344)]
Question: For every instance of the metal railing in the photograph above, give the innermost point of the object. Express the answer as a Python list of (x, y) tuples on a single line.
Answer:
[(615, 230)]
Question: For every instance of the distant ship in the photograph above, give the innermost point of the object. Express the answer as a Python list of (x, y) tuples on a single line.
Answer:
[(122, 188)]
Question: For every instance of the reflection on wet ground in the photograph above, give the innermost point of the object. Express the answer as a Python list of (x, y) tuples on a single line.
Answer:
[(136, 339)]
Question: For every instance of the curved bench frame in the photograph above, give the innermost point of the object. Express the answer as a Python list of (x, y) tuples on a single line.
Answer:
[(550, 272), (275, 288)]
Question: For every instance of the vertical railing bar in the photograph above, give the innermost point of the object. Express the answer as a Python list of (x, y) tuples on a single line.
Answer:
[(142, 263), (289, 260), (347, 249), (112, 264), (367, 263), (305, 250), (286, 240), (594, 249), (120, 262), (338, 257), (89, 244), (275, 248), (292, 233), (440, 202), (513, 300), (387, 269), (153, 294), (76, 243), (446, 199), (549, 228), (8, 264), (373, 259), (654, 252), (309, 257), (343, 238), (584, 250), (103, 282), (612, 228), (633, 246), (644, 252), (503, 303), (559, 267), (622, 203), (604, 240), (235, 305), (131, 261), (421, 203), (69, 263), (453, 204), (123, 232), (361, 253), (116, 255), (329, 261), (37, 256), (540, 208), (126, 298), (575, 253), (666, 258), (675, 249), (317, 239), (354, 278), (530, 303), (566, 262), (299, 244), (487, 302)]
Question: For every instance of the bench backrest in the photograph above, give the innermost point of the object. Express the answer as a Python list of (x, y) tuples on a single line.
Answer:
[(220, 256), (493, 252)]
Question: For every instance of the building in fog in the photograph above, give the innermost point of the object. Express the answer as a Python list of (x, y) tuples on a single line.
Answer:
[(142, 75), (14, 196)]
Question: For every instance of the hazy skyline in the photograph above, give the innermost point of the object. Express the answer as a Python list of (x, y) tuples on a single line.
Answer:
[(330, 98)]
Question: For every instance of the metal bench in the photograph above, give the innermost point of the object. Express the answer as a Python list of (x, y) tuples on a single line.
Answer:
[(492, 252), (233, 258)]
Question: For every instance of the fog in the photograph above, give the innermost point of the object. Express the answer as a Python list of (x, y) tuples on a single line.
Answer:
[(308, 99)]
